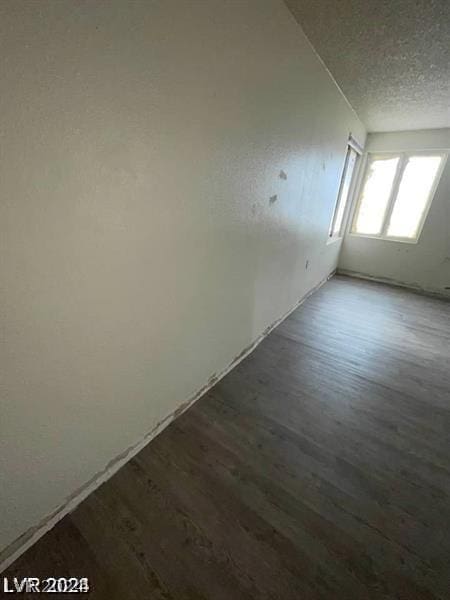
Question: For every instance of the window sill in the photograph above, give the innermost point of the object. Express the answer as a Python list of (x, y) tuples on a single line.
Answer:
[(384, 239)]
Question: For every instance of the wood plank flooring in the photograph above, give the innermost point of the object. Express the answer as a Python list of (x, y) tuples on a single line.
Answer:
[(319, 468)]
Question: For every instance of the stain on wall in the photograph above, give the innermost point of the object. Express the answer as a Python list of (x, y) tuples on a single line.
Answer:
[(136, 138)]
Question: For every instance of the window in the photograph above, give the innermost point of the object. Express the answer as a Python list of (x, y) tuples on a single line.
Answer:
[(351, 159), (396, 194)]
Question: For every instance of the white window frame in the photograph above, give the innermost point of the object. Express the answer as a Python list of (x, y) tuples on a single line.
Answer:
[(352, 144), (403, 156)]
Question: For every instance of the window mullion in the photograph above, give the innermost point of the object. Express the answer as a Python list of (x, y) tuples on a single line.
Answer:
[(394, 191)]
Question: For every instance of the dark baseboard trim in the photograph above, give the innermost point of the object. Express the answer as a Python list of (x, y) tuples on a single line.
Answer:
[(413, 287)]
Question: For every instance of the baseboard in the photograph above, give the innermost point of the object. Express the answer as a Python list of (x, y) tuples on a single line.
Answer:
[(12, 552), (413, 287)]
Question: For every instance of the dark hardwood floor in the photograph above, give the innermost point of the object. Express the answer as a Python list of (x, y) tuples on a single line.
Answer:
[(319, 468)]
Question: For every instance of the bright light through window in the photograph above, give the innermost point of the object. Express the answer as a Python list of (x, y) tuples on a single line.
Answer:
[(413, 195), (396, 195), (375, 195), (351, 160)]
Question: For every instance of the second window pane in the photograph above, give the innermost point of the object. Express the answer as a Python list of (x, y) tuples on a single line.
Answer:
[(413, 196)]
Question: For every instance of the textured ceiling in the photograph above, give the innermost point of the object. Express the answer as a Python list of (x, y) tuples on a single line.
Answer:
[(391, 58)]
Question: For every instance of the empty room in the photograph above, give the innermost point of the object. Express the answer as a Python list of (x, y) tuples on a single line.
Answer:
[(225, 299)]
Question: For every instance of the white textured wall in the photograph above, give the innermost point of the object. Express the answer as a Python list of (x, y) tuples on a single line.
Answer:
[(140, 144), (427, 263)]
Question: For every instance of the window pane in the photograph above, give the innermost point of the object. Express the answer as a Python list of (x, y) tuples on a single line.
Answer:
[(375, 196), (413, 195), (345, 188)]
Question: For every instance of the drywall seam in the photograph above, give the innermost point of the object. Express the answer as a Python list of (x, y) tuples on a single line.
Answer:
[(33, 534), (414, 287)]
